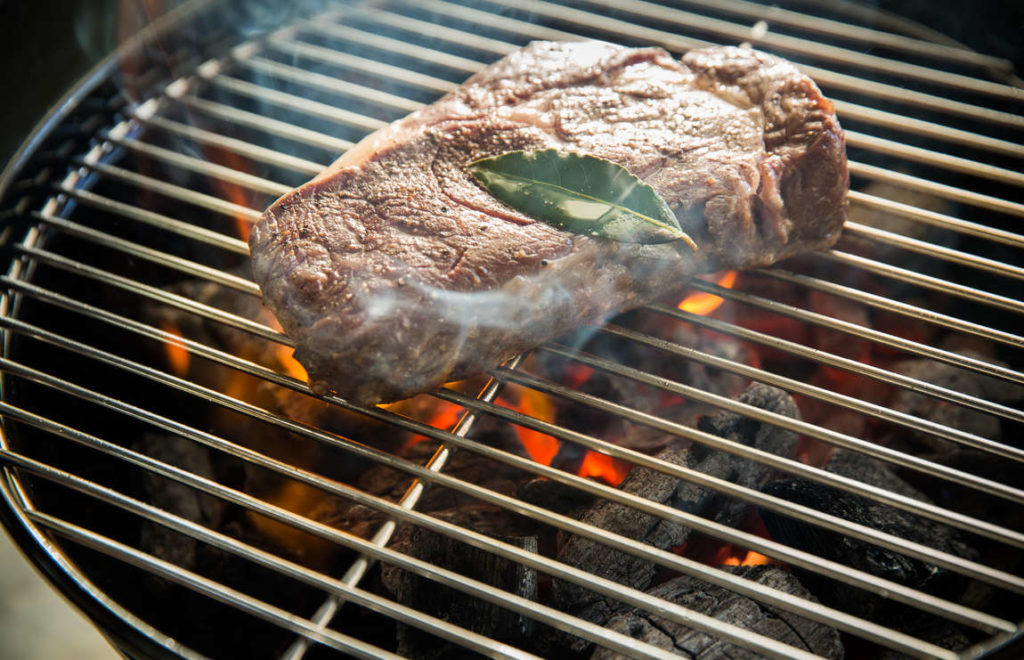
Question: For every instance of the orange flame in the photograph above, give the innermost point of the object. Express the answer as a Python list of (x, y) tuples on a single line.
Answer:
[(611, 470), (286, 357), (705, 303), (301, 499), (231, 191), (178, 356), (445, 417), (539, 446)]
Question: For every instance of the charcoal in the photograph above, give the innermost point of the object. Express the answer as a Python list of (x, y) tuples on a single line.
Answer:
[(455, 606), (931, 629), (958, 380), (753, 433), (872, 472), (865, 556), (176, 498), (626, 521), (728, 607), (554, 495)]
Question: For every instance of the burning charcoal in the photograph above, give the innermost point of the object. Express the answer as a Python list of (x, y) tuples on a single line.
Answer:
[(753, 433), (958, 380), (626, 521), (728, 607), (176, 498), (864, 556), (453, 605), (870, 471), (931, 629), (867, 557), (554, 495)]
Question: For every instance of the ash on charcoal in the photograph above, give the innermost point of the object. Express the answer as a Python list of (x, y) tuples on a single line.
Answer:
[(728, 607), (453, 605), (645, 528), (176, 498), (753, 433)]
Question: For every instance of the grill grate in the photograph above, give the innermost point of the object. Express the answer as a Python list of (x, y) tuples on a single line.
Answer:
[(156, 199)]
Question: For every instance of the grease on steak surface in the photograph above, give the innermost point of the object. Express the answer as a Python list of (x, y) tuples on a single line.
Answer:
[(394, 271)]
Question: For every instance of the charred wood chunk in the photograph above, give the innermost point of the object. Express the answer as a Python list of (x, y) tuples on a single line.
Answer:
[(625, 568), (554, 495), (456, 606), (753, 433), (958, 380), (878, 561), (865, 556), (872, 472), (176, 498), (727, 607)]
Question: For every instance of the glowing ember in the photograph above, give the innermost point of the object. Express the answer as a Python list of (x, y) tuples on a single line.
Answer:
[(178, 356), (577, 374), (751, 559), (602, 466), (705, 303)]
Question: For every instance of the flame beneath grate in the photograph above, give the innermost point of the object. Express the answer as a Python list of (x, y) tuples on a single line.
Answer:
[(703, 303)]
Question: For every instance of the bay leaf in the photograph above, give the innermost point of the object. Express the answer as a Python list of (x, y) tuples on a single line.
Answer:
[(580, 193)]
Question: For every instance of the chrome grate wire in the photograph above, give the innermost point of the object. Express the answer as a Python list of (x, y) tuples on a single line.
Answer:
[(282, 106)]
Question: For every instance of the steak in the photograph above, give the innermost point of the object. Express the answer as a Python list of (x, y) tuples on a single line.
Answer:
[(394, 271)]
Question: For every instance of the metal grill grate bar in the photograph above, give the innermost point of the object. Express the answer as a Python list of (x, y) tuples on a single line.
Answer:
[(863, 332), (920, 279), (937, 219), (267, 73), (675, 42), (533, 609), (173, 191), (941, 515), (846, 364), (894, 121), (836, 29), (940, 190), (844, 401), (241, 147), (157, 220), (923, 601), (756, 543), (205, 586), (406, 615), (807, 48), (752, 412), (756, 590)]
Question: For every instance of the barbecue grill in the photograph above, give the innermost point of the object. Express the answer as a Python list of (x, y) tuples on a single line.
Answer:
[(167, 467)]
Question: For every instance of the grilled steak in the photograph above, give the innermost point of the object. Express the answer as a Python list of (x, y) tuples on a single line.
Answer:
[(394, 271)]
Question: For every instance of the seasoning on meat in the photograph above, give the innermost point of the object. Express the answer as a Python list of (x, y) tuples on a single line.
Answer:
[(394, 271)]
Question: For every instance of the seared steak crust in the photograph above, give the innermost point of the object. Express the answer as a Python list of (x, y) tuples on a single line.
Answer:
[(394, 271)]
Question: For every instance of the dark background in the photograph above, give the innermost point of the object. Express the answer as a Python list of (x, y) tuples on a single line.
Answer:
[(46, 45)]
